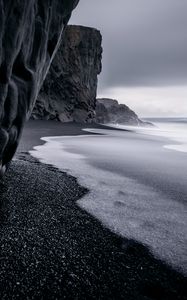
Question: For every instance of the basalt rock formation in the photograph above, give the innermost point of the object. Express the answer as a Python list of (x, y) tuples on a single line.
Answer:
[(30, 32), (70, 88), (110, 111), (69, 91)]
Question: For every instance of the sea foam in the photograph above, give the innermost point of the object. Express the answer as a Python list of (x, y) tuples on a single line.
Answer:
[(124, 205)]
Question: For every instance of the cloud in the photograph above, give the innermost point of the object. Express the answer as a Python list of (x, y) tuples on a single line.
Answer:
[(145, 42), (151, 101)]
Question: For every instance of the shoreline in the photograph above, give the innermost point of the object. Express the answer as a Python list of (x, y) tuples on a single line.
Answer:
[(35, 129), (53, 248), (144, 212)]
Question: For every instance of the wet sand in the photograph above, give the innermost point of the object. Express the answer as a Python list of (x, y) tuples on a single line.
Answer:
[(52, 249)]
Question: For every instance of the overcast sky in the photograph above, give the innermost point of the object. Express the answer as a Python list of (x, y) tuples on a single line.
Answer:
[(144, 52)]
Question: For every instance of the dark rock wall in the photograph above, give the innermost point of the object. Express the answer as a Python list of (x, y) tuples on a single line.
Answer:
[(69, 91), (110, 111), (30, 32)]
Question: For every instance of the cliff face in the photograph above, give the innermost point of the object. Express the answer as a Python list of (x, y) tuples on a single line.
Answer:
[(110, 111), (69, 91), (30, 32)]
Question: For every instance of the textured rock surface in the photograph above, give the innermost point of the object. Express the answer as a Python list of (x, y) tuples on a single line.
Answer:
[(30, 32), (110, 111), (69, 91)]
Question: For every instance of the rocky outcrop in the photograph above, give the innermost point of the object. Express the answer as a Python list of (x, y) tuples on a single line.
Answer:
[(69, 91), (110, 111), (30, 32)]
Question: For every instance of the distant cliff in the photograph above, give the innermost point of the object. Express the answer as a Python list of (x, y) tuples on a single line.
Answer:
[(70, 88), (30, 32), (69, 91), (110, 111)]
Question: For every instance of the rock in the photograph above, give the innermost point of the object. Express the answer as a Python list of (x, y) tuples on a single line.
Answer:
[(30, 32), (110, 111), (70, 88), (69, 91)]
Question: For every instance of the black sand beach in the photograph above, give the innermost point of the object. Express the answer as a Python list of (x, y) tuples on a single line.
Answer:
[(51, 249)]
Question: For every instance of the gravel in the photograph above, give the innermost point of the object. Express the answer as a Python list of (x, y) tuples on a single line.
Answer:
[(51, 249)]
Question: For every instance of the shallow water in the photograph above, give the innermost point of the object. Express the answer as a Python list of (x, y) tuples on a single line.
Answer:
[(175, 129), (147, 205)]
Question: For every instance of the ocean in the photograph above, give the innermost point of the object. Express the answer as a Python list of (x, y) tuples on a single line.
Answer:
[(174, 129), (136, 180)]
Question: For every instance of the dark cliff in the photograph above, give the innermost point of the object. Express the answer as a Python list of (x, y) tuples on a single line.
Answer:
[(69, 91), (70, 88), (30, 32), (110, 111)]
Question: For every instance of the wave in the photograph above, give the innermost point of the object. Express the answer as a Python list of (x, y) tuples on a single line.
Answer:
[(173, 129), (125, 205), (167, 120)]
